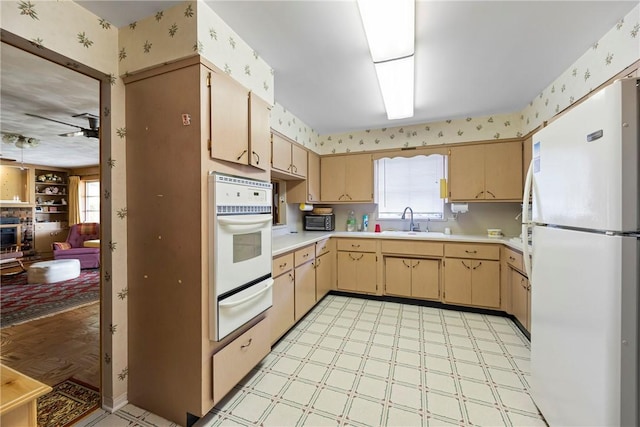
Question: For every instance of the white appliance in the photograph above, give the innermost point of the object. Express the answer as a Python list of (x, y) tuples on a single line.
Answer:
[(584, 278), (240, 241)]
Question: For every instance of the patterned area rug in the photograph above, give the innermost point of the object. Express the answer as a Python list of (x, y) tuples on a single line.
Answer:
[(67, 403), (21, 302)]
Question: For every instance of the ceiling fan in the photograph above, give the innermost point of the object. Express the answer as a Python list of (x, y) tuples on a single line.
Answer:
[(93, 131)]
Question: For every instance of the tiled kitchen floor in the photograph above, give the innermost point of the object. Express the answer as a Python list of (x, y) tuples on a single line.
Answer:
[(360, 362)]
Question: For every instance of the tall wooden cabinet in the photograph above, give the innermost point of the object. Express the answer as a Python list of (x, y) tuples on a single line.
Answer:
[(486, 172), (346, 178), (174, 113)]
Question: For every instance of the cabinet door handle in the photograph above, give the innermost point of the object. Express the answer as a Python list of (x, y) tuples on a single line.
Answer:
[(468, 268), (256, 155), (405, 264), (241, 154), (318, 262), (243, 346), (294, 168), (291, 277), (349, 197), (341, 196), (471, 252), (479, 264), (310, 197), (492, 195), (416, 264), (356, 259), (480, 193)]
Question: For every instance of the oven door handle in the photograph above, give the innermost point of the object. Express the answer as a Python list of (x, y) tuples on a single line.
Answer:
[(244, 224), (249, 298)]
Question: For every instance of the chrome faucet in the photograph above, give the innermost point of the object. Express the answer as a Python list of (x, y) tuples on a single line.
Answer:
[(412, 226)]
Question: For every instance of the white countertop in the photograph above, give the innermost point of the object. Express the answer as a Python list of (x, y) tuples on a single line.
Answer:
[(291, 241)]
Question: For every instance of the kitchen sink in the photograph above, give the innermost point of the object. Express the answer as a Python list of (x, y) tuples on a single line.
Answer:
[(412, 233)]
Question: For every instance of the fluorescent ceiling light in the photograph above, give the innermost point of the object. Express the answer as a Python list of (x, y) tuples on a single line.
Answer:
[(396, 84), (390, 27)]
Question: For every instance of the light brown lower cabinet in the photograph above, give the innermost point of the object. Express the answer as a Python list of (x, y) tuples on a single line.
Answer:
[(357, 272), (412, 277), (472, 282), (324, 270), (520, 298), (45, 233), (305, 280), (281, 313), (237, 359)]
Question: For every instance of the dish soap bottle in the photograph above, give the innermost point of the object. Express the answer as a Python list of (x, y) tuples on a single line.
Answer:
[(351, 221), (365, 222)]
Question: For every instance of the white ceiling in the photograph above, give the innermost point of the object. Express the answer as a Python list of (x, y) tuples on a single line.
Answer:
[(473, 58), (32, 85)]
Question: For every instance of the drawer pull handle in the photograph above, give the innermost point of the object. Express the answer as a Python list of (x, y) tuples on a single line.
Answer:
[(471, 252), (305, 255), (355, 246), (511, 258), (243, 346), (283, 265)]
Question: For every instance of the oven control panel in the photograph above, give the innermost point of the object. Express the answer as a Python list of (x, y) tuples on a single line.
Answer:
[(237, 195)]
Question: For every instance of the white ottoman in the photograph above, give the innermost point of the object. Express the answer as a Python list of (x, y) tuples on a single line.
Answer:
[(53, 271)]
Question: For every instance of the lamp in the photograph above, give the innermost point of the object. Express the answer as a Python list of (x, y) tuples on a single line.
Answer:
[(390, 30)]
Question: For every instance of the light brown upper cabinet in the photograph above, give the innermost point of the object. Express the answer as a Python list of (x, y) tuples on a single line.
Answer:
[(307, 191), (486, 172), (288, 156), (239, 124), (259, 132), (346, 178)]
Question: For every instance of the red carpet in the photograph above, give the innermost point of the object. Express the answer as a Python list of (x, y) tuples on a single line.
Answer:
[(21, 302)]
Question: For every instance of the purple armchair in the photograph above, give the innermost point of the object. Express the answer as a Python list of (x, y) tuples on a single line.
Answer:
[(74, 248)]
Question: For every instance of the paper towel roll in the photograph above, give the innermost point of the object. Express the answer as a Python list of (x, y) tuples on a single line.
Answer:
[(459, 207)]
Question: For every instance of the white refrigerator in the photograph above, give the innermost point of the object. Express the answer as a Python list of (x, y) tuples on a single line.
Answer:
[(584, 272)]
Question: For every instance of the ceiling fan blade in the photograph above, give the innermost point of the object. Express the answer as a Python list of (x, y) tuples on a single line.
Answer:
[(54, 120), (74, 133)]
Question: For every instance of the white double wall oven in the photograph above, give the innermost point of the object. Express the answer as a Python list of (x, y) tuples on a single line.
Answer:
[(240, 241)]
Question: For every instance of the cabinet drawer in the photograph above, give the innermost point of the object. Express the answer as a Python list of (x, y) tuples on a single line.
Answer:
[(514, 259), (305, 254), (235, 361), (461, 250), (322, 247), (282, 264), (357, 245), (406, 247)]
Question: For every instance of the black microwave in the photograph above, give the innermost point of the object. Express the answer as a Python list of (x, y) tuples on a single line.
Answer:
[(317, 222)]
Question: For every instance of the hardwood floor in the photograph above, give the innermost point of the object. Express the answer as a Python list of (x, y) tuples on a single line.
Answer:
[(55, 348)]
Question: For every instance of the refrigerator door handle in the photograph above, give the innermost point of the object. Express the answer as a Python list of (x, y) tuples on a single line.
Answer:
[(526, 221)]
